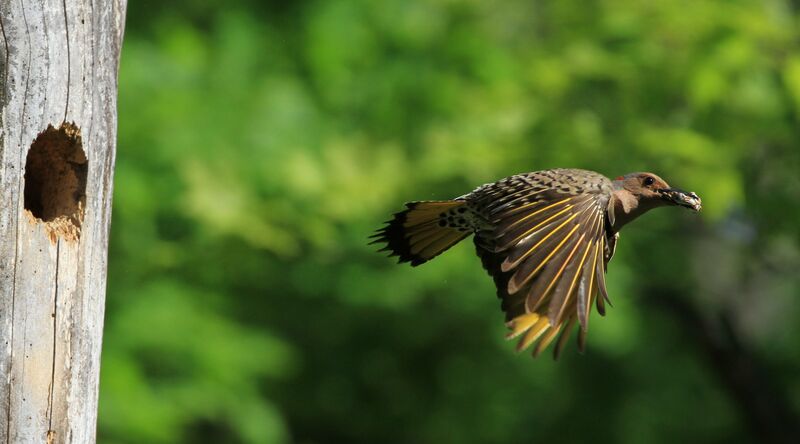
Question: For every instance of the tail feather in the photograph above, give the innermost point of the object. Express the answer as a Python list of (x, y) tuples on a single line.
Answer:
[(421, 232)]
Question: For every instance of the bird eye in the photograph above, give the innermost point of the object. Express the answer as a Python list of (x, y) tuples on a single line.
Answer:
[(649, 181)]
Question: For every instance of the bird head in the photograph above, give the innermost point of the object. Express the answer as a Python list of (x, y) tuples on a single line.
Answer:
[(652, 191)]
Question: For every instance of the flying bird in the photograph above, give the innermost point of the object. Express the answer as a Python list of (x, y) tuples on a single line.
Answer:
[(545, 237)]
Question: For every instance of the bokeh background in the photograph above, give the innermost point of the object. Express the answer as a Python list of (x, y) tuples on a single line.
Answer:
[(261, 142)]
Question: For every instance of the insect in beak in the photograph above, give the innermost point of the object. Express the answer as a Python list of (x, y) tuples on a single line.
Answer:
[(681, 198)]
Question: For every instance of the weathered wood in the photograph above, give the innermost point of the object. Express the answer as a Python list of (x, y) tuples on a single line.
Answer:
[(58, 69)]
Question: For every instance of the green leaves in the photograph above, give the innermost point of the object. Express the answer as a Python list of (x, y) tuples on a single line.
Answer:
[(261, 143), (174, 362)]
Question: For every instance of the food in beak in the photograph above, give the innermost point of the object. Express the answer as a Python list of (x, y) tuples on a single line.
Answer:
[(686, 199)]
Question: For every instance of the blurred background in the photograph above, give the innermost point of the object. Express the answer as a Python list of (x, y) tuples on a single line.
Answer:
[(261, 142)]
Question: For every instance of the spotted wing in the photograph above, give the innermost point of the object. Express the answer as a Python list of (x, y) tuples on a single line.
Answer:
[(546, 252)]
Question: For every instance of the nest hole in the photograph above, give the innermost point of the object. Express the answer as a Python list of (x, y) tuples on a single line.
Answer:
[(55, 181)]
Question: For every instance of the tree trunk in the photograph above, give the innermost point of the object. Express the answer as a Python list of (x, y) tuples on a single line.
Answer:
[(58, 118)]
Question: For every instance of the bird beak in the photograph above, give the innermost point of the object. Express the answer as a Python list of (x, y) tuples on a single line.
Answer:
[(681, 198)]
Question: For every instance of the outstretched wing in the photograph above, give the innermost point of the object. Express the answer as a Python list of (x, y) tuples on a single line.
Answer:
[(546, 250)]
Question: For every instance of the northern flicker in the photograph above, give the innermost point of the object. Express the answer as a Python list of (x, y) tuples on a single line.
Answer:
[(545, 237)]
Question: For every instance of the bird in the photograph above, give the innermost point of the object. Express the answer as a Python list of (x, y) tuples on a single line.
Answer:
[(545, 237)]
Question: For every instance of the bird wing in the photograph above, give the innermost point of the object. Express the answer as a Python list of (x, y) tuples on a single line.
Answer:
[(546, 249)]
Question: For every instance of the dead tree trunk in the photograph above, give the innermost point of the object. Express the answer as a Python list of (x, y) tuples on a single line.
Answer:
[(58, 119)]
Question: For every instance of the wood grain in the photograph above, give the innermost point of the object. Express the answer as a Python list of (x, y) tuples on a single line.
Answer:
[(58, 63)]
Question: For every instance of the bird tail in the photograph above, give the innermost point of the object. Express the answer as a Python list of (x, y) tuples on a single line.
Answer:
[(424, 230)]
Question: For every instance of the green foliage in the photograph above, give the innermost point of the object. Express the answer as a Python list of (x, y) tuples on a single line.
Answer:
[(261, 143)]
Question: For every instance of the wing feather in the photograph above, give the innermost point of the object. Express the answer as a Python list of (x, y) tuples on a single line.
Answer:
[(541, 236), (521, 214), (524, 274), (520, 198), (552, 271), (586, 288), (515, 234), (600, 272), (536, 254), (562, 295), (568, 289), (546, 247), (533, 242)]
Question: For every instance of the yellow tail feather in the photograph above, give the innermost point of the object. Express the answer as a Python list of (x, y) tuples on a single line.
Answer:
[(424, 230)]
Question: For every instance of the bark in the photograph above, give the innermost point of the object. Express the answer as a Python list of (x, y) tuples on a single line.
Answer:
[(58, 118)]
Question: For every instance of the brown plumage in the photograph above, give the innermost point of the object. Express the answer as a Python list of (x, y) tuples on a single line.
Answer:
[(545, 237)]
